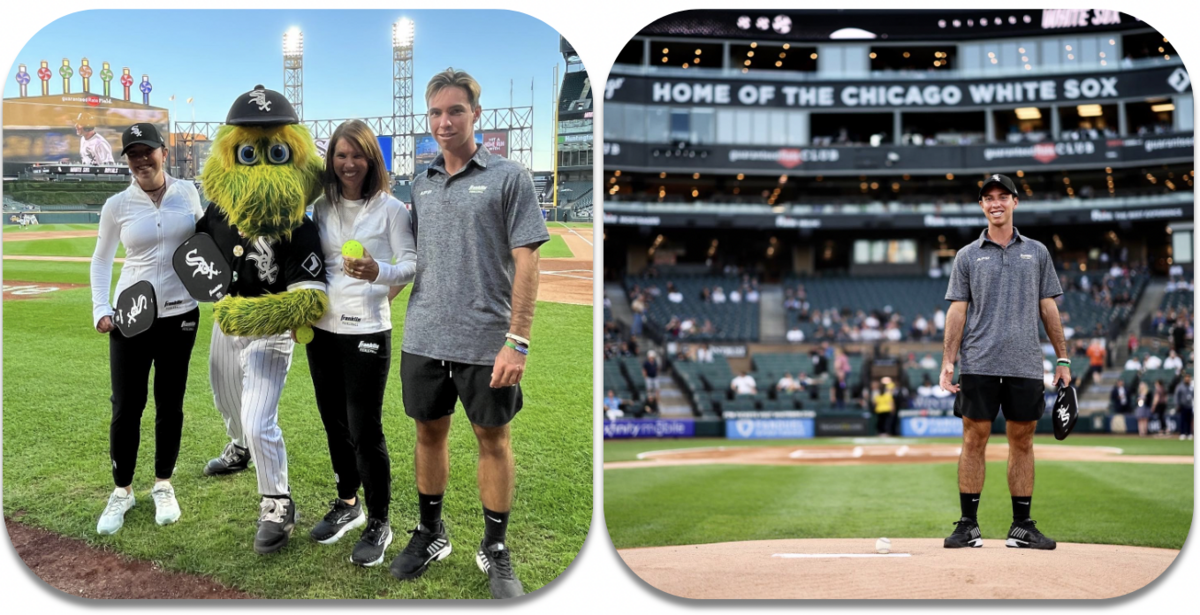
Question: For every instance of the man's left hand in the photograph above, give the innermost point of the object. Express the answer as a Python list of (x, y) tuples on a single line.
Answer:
[(1062, 373), (509, 367)]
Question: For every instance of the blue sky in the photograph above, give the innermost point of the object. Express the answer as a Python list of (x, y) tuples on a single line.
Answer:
[(215, 55)]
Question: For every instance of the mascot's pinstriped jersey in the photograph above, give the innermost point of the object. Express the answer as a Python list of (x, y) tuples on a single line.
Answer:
[(263, 172)]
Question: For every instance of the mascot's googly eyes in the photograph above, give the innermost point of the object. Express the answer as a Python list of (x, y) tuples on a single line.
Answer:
[(279, 154), (247, 154)]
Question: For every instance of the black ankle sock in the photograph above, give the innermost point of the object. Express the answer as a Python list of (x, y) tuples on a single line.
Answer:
[(495, 526), (431, 509), (1021, 507), (970, 505)]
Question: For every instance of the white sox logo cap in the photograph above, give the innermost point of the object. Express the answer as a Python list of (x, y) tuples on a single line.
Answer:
[(998, 180), (143, 133)]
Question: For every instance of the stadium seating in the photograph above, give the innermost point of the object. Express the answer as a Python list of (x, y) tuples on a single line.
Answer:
[(907, 296), (733, 321), (576, 93)]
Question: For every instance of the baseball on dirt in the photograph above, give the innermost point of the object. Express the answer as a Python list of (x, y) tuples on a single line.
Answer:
[(883, 545)]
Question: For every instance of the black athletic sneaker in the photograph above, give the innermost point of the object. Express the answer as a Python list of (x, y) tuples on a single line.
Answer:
[(233, 459), (966, 534), (425, 547), (341, 518), (495, 561), (1025, 535), (276, 520), (374, 542)]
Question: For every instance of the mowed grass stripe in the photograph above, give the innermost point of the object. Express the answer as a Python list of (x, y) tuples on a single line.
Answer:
[(555, 248), (56, 466), (1110, 503), (75, 246)]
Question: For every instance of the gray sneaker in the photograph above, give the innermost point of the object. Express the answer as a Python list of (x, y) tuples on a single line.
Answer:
[(341, 518), (494, 561), (233, 459), (374, 542)]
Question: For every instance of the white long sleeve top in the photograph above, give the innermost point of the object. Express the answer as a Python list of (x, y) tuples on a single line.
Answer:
[(150, 235), (383, 226)]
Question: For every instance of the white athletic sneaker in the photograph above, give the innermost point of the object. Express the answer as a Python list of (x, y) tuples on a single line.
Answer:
[(113, 516), (166, 508)]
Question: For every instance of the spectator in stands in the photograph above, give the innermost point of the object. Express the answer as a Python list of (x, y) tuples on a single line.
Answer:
[(744, 384), (926, 388), (638, 306), (790, 302), (787, 384), (704, 354), (939, 320), (673, 328), (1173, 361), (1179, 334), (1132, 364), (819, 362), (1150, 361), (1184, 394), (752, 294), (1096, 355), (612, 406), (928, 362), (841, 363), (795, 335), (687, 326), (1133, 341), (885, 406), (650, 371), (1160, 405), (1145, 403), (919, 326), (673, 294), (838, 391), (706, 295), (892, 332), (718, 295), (708, 328), (735, 296), (1119, 399)]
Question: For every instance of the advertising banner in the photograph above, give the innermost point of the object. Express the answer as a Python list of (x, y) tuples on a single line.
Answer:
[(496, 142), (385, 146), (425, 150), (892, 94), (844, 426), (649, 428), (769, 429), (72, 129), (930, 426)]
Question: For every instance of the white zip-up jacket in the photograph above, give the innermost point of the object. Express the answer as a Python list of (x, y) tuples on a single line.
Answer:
[(150, 235), (383, 227)]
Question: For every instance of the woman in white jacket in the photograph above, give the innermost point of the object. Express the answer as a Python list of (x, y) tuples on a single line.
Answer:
[(351, 352), (151, 217)]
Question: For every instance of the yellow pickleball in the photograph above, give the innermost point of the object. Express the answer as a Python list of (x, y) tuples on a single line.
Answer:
[(352, 249), (304, 334)]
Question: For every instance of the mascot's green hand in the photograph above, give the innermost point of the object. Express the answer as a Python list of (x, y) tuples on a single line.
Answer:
[(270, 314)]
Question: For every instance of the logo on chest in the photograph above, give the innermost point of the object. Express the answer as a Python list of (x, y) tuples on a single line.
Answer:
[(983, 258), (1026, 257), (263, 258), (476, 189)]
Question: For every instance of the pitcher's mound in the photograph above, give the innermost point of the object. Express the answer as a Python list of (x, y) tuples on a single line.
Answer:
[(849, 568)]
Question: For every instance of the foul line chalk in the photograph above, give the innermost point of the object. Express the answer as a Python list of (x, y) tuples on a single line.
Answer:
[(831, 555)]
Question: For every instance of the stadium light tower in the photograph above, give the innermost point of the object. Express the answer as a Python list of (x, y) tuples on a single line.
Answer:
[(402, 97), (293, 69)]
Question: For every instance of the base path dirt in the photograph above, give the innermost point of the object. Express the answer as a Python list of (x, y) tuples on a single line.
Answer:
[(16, 290), (72, 566), (568, 280), (917, 568), (34, 235), (875, 454)]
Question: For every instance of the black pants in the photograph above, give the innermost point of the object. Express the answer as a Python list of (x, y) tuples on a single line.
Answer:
[(1186, 416), (883, 422), (349, 375), (167, 345)]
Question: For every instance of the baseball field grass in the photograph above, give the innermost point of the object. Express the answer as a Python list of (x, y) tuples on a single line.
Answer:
[(1089, 502), (555, 248), (79, 246), (56, 466)]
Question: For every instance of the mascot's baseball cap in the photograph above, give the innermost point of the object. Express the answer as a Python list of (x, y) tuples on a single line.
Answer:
[(261, 107), (998, 180), (143, 133)]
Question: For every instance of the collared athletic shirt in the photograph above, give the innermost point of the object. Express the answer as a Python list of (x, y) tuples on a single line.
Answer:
[(382, 225), (150, 235), (1003, 287), (467, 225)]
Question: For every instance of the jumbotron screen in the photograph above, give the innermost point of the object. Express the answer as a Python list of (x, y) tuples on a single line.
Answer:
[(65, 128)]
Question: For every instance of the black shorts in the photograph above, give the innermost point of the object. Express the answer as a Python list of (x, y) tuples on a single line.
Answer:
[(431, 388), (981, 398)]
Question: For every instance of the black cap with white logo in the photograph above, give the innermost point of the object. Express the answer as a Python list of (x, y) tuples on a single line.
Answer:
[(998, 180), (143, 133), (261, 107)]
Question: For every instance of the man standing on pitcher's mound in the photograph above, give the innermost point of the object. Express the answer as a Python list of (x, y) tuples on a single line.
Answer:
[(478, 226), (1001, 284)]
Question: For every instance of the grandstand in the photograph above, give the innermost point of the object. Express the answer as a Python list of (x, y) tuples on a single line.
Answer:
[(574, 147), (838, 177)]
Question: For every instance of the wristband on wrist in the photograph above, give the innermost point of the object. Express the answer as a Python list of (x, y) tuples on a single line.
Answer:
[(524, 351), (517, 338), (1064, 362)]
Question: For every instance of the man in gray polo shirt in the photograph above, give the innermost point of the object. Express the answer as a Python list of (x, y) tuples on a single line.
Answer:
[(478, 226), (1001, 285)]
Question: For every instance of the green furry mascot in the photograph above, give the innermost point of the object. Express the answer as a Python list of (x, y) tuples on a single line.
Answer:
[(262, 173)]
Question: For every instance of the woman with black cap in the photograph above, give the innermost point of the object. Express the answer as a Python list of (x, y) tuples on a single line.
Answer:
[(151, 218)]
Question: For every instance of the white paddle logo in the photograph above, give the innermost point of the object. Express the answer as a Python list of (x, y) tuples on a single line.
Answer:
[(137, 308), (203, 267), (1063, 415)]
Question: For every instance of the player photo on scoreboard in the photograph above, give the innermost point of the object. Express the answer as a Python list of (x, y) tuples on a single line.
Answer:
[(867, 273), (332, 321)]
